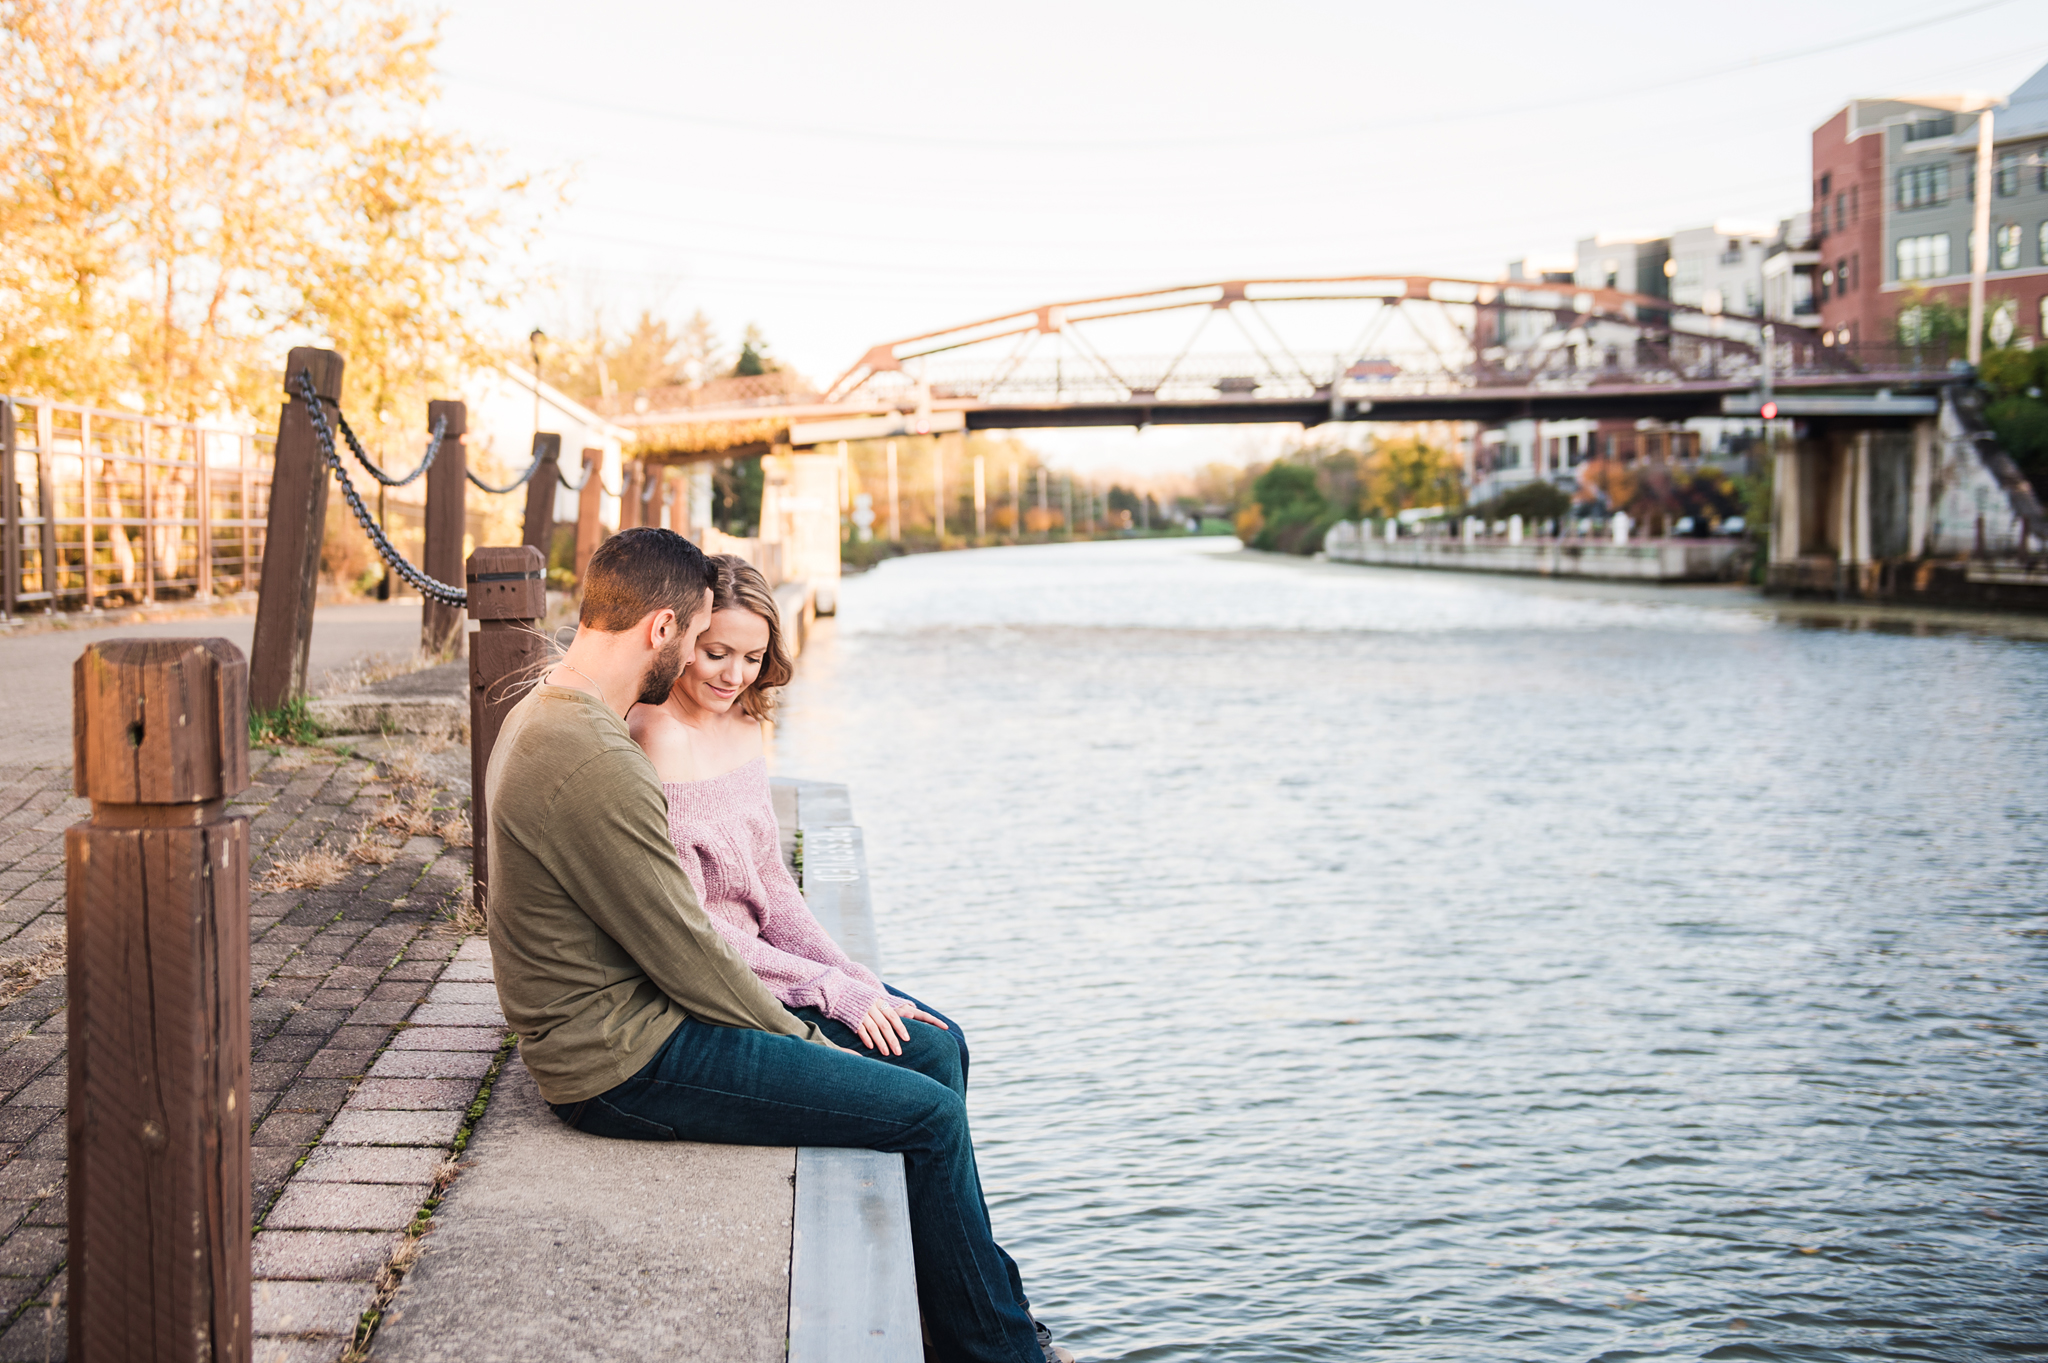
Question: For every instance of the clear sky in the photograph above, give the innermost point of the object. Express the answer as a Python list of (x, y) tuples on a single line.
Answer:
[(846, 174)]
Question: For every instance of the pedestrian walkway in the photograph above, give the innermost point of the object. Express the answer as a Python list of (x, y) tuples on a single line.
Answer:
[(39, 665), (357, 870)]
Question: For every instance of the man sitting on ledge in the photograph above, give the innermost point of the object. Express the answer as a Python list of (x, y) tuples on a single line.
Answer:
[(634, 1016)]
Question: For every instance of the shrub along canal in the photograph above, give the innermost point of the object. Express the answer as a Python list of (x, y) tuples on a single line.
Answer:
[(1369, 963)]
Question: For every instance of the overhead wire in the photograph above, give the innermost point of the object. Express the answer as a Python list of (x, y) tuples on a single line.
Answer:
[(822, 132)]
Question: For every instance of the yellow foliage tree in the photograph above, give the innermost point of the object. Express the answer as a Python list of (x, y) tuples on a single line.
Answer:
[(186, 188), (1403, 474)]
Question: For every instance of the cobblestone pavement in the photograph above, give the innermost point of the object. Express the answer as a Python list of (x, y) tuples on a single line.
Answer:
[(338, 970)]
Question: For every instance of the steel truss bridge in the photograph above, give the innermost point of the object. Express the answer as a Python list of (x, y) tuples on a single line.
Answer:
[(1392, 348)]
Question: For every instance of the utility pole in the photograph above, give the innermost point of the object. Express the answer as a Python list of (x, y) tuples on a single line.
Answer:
[(895, 520), (1980, 235)]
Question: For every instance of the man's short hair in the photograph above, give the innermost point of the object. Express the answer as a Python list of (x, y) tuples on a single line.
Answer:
[(639, 571)]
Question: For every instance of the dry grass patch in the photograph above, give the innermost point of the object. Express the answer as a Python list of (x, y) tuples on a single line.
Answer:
[(371, 850), (468, 917), (313, 869), (24, 973)]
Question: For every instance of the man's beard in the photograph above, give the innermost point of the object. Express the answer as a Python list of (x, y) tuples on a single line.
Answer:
[(661, 674)]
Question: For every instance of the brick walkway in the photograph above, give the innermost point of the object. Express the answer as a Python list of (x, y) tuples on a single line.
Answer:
[(337, 969)]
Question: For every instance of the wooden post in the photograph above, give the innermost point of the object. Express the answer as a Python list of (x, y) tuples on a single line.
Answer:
[(157, 935), (656, 512), (447, 495), (540, 495), (632, 476), (507, 598), (291, 544), (10, 508), (589, 511)]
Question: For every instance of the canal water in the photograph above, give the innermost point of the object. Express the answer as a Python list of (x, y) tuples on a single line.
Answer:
[(1366, 964)]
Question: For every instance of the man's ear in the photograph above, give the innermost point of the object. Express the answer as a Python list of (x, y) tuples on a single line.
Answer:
[(661, 625)]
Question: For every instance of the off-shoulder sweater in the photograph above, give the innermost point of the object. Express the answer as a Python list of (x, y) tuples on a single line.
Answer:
[(725, 835)]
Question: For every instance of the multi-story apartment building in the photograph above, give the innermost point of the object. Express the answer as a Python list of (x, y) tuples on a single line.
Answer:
[(1634, 264), (1792, 274), (1720, 268), (1894, 186)]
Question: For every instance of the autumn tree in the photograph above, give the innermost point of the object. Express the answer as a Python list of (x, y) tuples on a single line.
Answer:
[(1400, 475), (185, 189)]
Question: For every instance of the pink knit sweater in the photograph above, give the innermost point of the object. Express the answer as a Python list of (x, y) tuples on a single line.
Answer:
[(725, 835)]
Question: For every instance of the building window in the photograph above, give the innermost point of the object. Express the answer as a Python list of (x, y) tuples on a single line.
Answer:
[(2041, 244), (2006, 174), (1827, 284), (1923, 257), (1923, 186), (1943, 125), (2007, 242), (2044, 315), (1841, 211)]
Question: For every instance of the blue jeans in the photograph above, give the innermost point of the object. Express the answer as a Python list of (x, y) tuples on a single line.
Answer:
[(735, 1086)]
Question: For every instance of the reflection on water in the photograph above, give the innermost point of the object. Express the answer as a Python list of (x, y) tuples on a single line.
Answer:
[(1377, 964)]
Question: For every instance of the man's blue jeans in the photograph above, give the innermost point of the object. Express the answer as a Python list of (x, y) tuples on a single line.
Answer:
[(734, 1086)]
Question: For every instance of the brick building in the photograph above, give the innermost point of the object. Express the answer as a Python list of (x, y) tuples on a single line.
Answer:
[(1894, 190)]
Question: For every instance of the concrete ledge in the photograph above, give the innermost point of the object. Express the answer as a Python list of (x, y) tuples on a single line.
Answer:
[(433, 701), (852, 1283), (363, 714), (576, 1249)]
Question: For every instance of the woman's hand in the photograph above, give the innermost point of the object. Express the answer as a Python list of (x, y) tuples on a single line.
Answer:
[(882, 1029)]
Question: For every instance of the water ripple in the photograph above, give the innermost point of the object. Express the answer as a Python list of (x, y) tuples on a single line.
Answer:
[(1422, 967)]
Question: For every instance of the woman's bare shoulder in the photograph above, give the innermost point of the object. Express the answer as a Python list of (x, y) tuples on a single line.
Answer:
[(666, 740)]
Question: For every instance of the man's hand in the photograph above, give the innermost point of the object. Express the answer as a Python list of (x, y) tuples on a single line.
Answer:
[(882, 1029)]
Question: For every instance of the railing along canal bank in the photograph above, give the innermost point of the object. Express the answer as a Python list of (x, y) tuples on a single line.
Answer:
[(106, 507), (1611, 556)]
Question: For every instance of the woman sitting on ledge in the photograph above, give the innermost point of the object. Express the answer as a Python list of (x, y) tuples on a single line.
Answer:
[(705, 743)]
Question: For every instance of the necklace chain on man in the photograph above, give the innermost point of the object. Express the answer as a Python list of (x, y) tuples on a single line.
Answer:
[(570, 667)]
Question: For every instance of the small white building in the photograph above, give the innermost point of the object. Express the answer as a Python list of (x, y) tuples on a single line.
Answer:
[(507, 406)]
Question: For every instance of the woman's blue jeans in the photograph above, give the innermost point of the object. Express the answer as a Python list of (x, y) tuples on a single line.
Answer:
[(735, 1086)]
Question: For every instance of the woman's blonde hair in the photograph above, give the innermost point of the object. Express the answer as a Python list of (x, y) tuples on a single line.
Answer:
[(738, 585)]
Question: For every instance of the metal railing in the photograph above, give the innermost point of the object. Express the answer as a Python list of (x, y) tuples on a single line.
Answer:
[(106, 507)]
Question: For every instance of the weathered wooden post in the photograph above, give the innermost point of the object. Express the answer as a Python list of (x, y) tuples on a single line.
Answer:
[(654, 510), (10, 509), (631, 490), (540, 494), (157, 933), (291, 544), (589, 511), (447, 493), (508, 595)]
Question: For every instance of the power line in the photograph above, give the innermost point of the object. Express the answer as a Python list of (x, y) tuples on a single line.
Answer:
[(817, 132)]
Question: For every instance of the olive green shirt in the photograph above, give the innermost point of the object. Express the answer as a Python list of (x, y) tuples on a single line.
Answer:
[(598, 942)]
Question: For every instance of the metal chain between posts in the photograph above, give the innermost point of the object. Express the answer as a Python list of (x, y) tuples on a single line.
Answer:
[(428, 587), (356, 447), (531, 469)]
